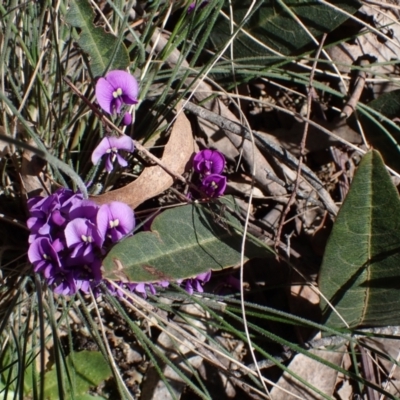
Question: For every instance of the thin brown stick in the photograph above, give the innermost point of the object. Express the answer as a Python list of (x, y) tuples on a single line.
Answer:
[(351, 104), (302, 146)]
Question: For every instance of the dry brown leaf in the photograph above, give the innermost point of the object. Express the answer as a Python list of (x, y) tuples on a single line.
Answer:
[(154, 180), (319, 375), (34, 180)]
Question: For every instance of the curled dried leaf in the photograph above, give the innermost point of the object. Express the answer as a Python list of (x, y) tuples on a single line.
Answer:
[(154, 180)]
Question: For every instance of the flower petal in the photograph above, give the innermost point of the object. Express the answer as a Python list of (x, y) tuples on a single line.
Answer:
[(104, 94), (121, 161), (74, 231), (121, 143), (100, 150), (126, 82), (109, 164)]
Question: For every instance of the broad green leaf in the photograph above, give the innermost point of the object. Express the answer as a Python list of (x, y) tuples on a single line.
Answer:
[(273, 26), (360, 273), (380, 134), (86, 369), (105, 50), (183, 242)]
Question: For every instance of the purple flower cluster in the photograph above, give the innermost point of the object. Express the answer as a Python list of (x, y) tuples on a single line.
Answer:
[(210, 164), (69, 236)]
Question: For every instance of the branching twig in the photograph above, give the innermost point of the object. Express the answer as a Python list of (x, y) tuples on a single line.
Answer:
[(302, 146)]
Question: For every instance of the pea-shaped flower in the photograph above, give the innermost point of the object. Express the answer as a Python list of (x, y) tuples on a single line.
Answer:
[(115, 220), (208, 162), (213, 185), (115, 89), (43, 256), (82, 237), (110, 147)]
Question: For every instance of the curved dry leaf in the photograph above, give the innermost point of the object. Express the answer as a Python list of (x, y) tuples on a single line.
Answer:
[(33, 178), (154, 180)]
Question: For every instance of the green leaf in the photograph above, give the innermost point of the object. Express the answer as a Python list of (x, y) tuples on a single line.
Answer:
[(86, 369), (383, 135), (183, 242), (273, 25), (106, 50), (360, 273)]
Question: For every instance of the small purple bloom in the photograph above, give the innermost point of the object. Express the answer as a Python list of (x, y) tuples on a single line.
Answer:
[(208, 162), (63, 283), (41, 212), (213, 185), (115, 220), (43, 256), (115, 89), (110, 146), (196, 284), (82, 237)]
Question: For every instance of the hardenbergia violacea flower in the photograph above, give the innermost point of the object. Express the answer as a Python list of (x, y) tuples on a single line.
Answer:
[(207, 162), (115, 89), (66, 243), (110, 148)]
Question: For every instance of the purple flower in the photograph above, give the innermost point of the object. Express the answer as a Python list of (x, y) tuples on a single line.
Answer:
[(213, 185), (43, 256), (41, 215), (109, 146), (88, 276), (196, 284), (63, 283), (115, 89), (208, 162), (82, 237), (115, 220), (50, 214)]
